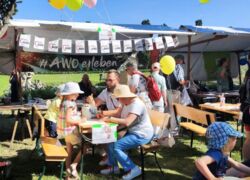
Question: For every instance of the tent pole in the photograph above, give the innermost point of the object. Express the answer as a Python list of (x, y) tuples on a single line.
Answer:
[(189, 58), (238, 58), (16, 54)]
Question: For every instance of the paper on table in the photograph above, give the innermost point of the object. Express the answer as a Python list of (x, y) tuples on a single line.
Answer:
[(104, 133)]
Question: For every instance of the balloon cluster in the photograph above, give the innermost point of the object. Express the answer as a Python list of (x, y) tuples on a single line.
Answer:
[(73, 5)]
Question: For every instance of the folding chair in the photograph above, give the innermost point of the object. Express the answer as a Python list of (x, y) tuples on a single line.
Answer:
[(158, 119), (52, 151)]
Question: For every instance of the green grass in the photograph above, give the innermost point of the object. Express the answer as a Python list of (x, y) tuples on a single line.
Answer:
[(4, 84), (51, 79), (177, 162)]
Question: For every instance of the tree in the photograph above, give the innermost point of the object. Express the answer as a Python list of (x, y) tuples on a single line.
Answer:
[(7, 10), (146, 22)]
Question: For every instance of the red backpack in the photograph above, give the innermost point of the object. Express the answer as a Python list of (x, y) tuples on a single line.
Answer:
[(154, 92)]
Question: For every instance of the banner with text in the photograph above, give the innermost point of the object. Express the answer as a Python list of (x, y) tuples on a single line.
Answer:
[(39, 62)]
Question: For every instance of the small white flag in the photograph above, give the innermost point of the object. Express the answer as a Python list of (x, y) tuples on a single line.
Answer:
[(159, 43), (80, 46), (67, 46), (138, 45), (116, 46), (169, 41), (92, 45), (105, 46), (39, 43), (107, 35), (149, 44), (127, 46), (24, 40), (176, 41), (53, 46)]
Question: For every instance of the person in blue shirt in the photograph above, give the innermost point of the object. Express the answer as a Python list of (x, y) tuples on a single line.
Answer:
[(221, 139)]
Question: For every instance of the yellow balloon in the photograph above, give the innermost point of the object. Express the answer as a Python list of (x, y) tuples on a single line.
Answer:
[(74, 5), (167, 64), (58, 4), (204, 1)]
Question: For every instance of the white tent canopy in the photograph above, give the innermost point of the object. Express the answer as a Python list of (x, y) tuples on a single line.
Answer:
[(52, 30)]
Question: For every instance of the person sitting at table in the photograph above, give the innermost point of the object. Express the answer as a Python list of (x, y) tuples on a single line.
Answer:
[(52, 112), (67, 123), (135, 117), (105, 97), (112, 104), (224, 79), (221, 139)]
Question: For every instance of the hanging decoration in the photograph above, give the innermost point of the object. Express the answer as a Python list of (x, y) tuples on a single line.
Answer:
[(106, 44)]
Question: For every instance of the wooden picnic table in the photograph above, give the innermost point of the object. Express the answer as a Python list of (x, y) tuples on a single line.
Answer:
[(22, 112), (86, 128), (233, 109)]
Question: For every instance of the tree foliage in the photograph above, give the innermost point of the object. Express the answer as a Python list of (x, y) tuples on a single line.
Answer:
[(146, 22), (8, 8)]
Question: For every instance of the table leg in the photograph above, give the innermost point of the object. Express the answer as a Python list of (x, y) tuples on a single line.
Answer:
[(14, 132), (29, 128), (82, 154)]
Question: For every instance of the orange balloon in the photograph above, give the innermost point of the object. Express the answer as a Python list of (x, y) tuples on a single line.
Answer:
[(58, 4)]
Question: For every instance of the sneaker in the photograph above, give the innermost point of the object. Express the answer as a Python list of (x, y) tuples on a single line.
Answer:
[(136, 171), (109, 170), (104, 161)]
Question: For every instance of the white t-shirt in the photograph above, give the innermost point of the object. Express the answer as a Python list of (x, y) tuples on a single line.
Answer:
[(142, 125), (111, 102), (138, 82)]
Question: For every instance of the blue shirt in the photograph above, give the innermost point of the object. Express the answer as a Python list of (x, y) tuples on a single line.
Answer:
[(217, 168)]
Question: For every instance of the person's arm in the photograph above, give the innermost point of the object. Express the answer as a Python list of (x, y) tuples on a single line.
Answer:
[(115, 113), (69, 120), (164, 92), (126, 121), (98, 102), (239, 166), (202, 165), (134, 82)]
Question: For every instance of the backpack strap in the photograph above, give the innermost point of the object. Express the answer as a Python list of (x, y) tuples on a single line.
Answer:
[(140, 73)]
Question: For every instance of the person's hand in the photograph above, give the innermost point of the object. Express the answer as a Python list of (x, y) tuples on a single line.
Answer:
[(105, 119), (166, 104), (99, 115)]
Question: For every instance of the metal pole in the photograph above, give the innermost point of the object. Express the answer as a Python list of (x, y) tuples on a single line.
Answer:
[(189, 58), (238, 58)]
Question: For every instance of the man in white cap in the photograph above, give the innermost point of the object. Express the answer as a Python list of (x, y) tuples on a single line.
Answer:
[(138, 84), (161, 82)]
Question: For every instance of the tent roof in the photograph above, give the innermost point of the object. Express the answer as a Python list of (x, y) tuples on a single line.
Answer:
[(217, 30), (211, 38), (92, 27)]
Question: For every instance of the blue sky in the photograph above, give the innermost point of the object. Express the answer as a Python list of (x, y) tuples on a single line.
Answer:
[(171, 12)]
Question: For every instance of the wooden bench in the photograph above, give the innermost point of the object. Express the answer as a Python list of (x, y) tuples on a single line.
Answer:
[(197, 120), (52, 149), (160, 120)]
